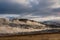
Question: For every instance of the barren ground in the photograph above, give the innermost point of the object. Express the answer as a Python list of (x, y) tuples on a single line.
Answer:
[(54, 36)]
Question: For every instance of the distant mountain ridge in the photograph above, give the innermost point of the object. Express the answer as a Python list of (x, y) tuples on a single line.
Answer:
[(53, 24)]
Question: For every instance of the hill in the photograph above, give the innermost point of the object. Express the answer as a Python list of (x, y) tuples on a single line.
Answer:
[(17, 26)]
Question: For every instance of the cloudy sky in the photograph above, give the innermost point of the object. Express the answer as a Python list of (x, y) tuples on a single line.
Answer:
[(39, 10)]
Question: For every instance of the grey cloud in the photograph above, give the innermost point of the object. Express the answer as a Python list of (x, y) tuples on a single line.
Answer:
[(40, 9), (11, 8), (56, 10)]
